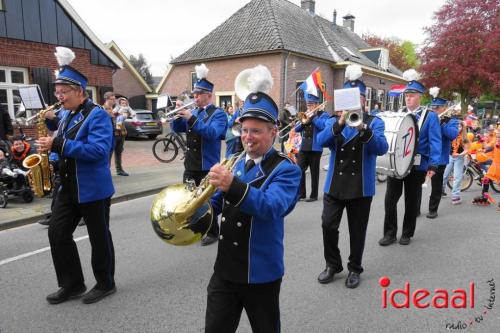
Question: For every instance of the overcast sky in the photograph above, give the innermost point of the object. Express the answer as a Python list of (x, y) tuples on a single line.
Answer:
[(164, 29)]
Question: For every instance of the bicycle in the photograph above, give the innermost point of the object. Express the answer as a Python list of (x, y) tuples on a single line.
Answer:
[(473, 171), (167, 148)]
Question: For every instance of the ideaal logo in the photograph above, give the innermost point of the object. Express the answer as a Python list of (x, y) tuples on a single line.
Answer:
[(421, 298)]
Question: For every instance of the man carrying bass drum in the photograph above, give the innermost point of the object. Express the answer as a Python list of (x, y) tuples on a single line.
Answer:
[(426, 164)]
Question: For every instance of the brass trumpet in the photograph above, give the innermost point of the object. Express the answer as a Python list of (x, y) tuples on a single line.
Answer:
[(171, 114)]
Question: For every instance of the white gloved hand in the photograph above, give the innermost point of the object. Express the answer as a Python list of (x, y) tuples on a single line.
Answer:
[(8, 172)]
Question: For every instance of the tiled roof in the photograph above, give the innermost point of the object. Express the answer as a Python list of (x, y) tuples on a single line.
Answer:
[(272, 25)]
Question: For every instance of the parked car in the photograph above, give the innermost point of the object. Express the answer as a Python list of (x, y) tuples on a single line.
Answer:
[(143, 122)]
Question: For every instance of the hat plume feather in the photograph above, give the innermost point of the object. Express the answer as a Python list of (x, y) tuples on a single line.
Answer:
[(64, 56), (434, 91), (201, 71), (353, 72)]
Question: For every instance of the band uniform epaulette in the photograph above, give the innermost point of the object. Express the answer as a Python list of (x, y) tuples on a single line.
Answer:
[(284, 156)]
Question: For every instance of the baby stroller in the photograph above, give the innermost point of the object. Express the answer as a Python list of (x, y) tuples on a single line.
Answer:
[(14, 182)]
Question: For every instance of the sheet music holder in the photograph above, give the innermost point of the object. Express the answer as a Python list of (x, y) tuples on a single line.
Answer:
[(347, 99), (163, 102), (32, 97)]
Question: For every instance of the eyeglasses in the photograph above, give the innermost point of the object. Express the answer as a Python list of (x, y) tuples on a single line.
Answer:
[(62, 92)]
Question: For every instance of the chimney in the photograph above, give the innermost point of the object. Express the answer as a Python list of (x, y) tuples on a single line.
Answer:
[(308, 5), (349, 21), (334, 17)]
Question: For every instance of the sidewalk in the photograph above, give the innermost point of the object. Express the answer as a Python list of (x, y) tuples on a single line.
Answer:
[(147, 176)]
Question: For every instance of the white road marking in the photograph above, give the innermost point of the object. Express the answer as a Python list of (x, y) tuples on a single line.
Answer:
[(32, 253)]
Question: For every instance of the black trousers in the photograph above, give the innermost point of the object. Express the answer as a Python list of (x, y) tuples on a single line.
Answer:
[(119, 143), (358, 213), (197, 176), (413, 189), (437, 189), (63, 222), (226, 300), (309, 159)]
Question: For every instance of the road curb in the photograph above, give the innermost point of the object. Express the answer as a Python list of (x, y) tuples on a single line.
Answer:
[(116, 199)]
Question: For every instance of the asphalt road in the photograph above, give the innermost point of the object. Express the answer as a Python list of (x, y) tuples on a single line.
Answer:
[(162, 288)]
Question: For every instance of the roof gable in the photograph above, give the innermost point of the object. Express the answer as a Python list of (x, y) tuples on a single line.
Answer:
[(53, 22), (274, 25), (119, 53)]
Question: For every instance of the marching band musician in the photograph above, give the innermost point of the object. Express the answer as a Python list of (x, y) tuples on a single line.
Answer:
[(83, 142), (350, 183), (205, 127), (429, 150), (253, 200), (309, 155), (449, 131)]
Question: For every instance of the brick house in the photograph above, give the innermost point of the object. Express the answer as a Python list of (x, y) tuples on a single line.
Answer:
[(29, 32), (129, 83), (291, 41)]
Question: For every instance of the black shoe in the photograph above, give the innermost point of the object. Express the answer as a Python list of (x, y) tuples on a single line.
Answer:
[(353, 280), (65, 294), (387, 240), (432, 215), (208, 239), (444, 194), (96, 294), (44, 221), (327, 275), (404, 240), (311, 199), (122, 173)]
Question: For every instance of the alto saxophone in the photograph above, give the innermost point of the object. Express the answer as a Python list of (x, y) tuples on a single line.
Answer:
[(40, 171)]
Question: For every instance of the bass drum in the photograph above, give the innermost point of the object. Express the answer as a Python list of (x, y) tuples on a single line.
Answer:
[(401, 132)]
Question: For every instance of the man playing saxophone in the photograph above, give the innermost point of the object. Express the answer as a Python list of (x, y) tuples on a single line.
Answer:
[(253, 200), (83, 142)]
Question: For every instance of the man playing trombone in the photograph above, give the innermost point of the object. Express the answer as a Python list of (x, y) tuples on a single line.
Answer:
[(205, 128), (350, 182), (309, 124)]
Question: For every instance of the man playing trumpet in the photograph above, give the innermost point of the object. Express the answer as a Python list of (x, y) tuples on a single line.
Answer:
[(350, 183), (205, 127)]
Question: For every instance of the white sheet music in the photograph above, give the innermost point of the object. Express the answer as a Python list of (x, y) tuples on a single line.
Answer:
[(346, 99), (31, 97)]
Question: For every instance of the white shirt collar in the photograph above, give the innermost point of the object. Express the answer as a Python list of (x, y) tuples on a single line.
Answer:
[(255, 160)]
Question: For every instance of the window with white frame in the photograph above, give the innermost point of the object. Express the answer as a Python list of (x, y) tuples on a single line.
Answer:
[(11, 78), (383, 60), (92, 92), (368, 97)]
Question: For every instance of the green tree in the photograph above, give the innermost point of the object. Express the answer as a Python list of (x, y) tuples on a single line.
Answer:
[(410, 54), (141, 65)]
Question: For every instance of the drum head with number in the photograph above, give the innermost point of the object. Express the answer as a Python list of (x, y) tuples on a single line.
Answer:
[(406, 146)]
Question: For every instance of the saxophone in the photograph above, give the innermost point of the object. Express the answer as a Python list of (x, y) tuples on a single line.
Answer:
[(40, 171)]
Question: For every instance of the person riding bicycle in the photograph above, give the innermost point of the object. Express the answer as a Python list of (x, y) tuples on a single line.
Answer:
[(493, 174)]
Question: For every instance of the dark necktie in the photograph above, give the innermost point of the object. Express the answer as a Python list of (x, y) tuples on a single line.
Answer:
[(248, 165)]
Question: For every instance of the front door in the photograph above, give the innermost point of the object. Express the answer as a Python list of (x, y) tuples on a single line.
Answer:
[(225, 100)]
